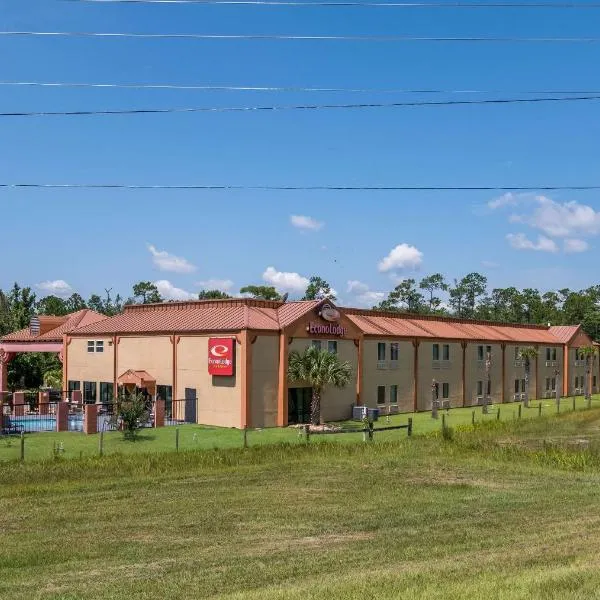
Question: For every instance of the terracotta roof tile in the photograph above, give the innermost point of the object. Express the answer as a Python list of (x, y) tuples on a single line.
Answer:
[(292, 311)]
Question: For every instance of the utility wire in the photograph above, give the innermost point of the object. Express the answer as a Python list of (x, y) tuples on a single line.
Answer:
[(218, 109), (294, 89), (306, 188), (354, 38), (366, 4)]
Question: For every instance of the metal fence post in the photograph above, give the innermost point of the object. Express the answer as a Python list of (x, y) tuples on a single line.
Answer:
[(443, 422), (473, 418), (245, 438), (540, 409), (307, 433), (498, 414), (409, 426), (573, 403), (520, 409), (22, 446), (101, 443), (370, 431), (176, 439)]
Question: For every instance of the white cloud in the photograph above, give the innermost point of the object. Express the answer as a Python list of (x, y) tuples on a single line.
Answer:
[(58, 287), (519, 241), (402, 256), (285, 282), (564, 219), (306, 223), (572, 245), (169, 292), (216, 284), (508, 199), (169, 262), (363, 295)]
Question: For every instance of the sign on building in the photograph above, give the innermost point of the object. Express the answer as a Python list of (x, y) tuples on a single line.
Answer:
[(221, 356)]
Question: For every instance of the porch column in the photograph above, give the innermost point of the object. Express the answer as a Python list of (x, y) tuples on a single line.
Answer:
[(503, 373), (359, 343), (43, 401), (246, 388), (19, 404), (416, 376), (5, 358), (565, 373), (282, 384), (463, 346)]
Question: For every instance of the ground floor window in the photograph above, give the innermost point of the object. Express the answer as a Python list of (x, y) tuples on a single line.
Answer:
[(73, 385), (445, 390), (576, 382), (89, 392), (381, 394), (393, 394), (480, 387), (165, 392), (332, 347), (299, 401), (316, 344), (594, 381), (106, 392)]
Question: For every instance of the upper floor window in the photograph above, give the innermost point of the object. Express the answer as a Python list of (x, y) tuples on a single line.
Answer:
[(436, 352), (517, 353), (316, 344), (446, 352), (480, 355), (381, 351), (95, 346), (91, 345), (332, 346), (550, 353), (394, 351)]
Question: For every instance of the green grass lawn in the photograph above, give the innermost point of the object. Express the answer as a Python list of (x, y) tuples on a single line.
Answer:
[(484, 516), (39, 446)]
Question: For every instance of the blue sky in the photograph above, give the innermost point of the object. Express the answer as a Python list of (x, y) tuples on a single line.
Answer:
[(94, 239)]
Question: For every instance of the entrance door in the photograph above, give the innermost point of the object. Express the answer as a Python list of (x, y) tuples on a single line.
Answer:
[(299, 405), (190, 405)]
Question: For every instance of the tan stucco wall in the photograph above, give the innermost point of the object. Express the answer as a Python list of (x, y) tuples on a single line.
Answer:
[(544, 371), (153, 354), (336, 404), (449, 371), (219, 398), (475, 371), (89, 366), (374, 377), (265, 372)]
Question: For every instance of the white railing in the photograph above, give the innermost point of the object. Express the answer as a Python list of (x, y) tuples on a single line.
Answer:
[(519, 363), (382, 365), (580, 363), (436, 364)]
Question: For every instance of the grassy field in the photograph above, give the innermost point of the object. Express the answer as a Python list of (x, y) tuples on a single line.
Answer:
[(39, 446), (507, 510)]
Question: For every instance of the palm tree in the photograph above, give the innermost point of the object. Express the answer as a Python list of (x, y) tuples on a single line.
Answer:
[(588, 353), (318, 368), (527, 354)]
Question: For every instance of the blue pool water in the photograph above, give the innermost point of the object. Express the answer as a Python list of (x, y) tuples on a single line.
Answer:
[(30, 423)]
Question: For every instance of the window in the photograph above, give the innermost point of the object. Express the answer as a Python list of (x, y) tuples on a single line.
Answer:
[(436, 352), (548, 355), (445, 390), (165, 392), (91, 345), (106, 392), (99, 346), (480, 385), (523, 385), (553, 353), (576, 382), (488, 351), (393, 394), (95, 346), (381, 351), (554, 384), (381, 394), (480, 353), (517, 353), (316, 344), (517, 385), (594, 381), (489, 387), (89, 392), (394, 351), (332, 347), (446, 352), (548, 383), (73, 385)]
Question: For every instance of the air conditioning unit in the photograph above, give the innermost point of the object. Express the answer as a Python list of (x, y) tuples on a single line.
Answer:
[(446, 404), (382, 364), (523, 396), (393, 409), (479, 400), (516, 397), (548, 363)]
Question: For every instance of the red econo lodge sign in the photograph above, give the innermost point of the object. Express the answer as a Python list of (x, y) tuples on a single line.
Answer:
[(221, 356)]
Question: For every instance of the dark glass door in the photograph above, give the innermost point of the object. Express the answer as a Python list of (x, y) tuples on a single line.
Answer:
[(299, 405)]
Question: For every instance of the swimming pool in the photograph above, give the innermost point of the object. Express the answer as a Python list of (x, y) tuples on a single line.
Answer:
[(31, 423)]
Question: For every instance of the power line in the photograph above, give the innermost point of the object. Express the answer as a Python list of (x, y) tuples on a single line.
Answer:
[(366, 4), (352, 38), (305, 188), (219, 109), (293, 89)]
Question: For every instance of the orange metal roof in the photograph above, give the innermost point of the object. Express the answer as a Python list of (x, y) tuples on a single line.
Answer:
[(242, 313), (70, 322), (135, 377), (564, 333)]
